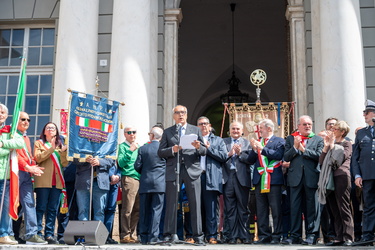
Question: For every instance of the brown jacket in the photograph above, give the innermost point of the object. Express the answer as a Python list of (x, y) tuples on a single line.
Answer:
[(43, 159)]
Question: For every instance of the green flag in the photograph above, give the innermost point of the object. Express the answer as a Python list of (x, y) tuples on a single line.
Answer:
[(20, 97)]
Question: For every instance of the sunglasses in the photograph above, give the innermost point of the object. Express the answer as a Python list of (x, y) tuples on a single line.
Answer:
[(131, 132), (25, 119)]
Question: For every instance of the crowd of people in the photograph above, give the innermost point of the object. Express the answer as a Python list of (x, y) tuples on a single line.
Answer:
[(325, 180)]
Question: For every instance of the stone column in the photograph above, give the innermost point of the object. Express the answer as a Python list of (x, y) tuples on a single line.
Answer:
[(295, 16), (133, 68), (76, 51), (173, 18), (338, 65)]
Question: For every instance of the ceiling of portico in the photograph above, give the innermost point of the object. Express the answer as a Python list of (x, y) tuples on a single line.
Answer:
[(205, 50)]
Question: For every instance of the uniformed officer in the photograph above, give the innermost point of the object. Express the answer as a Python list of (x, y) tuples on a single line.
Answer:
[(363, 166)]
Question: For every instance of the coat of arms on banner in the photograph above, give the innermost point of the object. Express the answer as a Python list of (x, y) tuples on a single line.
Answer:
[(93, 127), (251, 115)]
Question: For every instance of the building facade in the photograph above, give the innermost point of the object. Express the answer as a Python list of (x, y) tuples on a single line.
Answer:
[(153, 54)]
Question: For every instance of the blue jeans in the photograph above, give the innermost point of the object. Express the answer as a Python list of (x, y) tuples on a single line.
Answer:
[(5, 223), (47, 202), (110, 209), (28, 204), (99, 202)]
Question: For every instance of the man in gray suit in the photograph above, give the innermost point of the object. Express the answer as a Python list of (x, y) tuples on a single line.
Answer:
[(302, 150), (190, 173), (237, 184), (151, 187), (211, 178)]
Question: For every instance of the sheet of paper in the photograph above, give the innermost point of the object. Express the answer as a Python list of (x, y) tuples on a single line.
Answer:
[(186, 140)]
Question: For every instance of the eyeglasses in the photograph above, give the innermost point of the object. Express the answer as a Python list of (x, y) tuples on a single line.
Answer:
[(180, 112), (25, 119), (131, 132), (306, 124), (51, 128), (331, 124), (203, 124)]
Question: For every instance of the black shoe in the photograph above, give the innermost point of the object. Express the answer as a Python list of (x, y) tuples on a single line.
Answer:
[(247, 241), (310, 240), (262, 241), (275, 241), (290, 241), (61, 241), (51, 240), (365, 241), (334, 243), (199, 241), (111, 241), (232, 241)]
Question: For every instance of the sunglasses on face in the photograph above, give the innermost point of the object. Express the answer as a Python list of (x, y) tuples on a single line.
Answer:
[(131, 132), (25, 119)]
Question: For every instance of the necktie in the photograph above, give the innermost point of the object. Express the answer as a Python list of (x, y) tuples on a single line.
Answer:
[(233, 158), (265, 141)]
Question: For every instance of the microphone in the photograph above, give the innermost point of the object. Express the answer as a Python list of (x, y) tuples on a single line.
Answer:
[(178, 127), (373, 119)]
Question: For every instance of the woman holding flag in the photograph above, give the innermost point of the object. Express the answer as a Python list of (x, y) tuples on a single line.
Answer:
[(50, 153)]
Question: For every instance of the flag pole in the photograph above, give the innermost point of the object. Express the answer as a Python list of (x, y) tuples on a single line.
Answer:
[(15, 118)]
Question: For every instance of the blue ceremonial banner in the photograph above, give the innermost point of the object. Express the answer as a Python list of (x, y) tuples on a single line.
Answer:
[(93, 127)]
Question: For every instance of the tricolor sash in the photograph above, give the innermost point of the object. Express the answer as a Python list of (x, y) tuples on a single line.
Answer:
[(55, 157), (265, 170), (304, 138)]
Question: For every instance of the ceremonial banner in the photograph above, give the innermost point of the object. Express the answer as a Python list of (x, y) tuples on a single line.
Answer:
[(93, 127), (250, 117)]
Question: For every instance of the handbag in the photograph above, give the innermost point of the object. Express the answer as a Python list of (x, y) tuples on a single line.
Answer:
[(330, 184)]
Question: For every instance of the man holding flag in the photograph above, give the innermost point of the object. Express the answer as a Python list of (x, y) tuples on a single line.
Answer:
[(6, 144), (267, 154), (27, 167)]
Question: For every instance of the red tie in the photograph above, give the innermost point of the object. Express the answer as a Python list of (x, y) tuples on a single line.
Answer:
[(265, 141)]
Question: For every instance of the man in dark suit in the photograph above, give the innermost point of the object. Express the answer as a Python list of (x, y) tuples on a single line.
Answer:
[(237, 183), (302, 150), (363, 167), (267, 154), (211, 178), (151, 187), (190, 172)]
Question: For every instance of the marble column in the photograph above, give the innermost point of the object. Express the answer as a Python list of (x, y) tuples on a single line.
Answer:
[(173, 18), (76, 51), (338, 65), (295, 16), (133, 69)]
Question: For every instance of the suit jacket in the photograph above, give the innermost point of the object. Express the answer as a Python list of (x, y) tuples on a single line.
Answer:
[(274, 150), (152, 169), (217, 154), (303, 163), (241, 162), (363, 156), (190, 157)]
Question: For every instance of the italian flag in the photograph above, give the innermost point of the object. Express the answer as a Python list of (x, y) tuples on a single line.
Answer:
[(14, 186), (90, 123)]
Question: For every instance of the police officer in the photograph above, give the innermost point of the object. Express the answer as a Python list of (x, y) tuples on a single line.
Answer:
[(363, 164)]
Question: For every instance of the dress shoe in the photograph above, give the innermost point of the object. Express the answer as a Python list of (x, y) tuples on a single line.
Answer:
[(127, 239), (200, 241), (348, 243), (232, 241), (290, 241), (189, 240), (110, 241), (275, 241), (310, 240), (212, 240), (262, 241), (171, 238), (334, 243), (247, 241), (365, 241)]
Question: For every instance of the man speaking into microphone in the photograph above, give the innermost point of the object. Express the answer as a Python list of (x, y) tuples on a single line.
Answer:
[(190, 172)]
